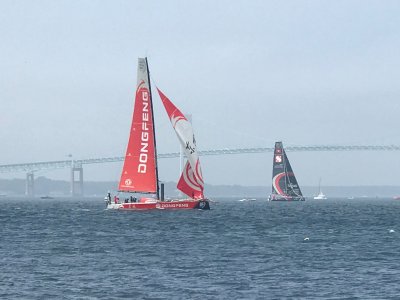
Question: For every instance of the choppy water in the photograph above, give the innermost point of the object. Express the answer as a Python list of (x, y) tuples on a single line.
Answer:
[(74, 249)]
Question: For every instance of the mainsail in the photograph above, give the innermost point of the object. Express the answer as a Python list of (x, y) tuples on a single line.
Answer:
[(284, 183), (139, 173), (191, 181)]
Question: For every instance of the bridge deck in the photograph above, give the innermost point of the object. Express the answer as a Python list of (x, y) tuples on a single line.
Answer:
[(36, 166)]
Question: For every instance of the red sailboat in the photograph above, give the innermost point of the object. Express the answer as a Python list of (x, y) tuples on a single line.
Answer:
[(140, 173)]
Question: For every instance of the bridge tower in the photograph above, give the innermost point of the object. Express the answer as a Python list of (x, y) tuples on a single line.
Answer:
[(30, 184), (76, 180)]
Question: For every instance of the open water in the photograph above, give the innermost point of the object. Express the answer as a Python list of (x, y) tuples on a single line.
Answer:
[(74, 249)]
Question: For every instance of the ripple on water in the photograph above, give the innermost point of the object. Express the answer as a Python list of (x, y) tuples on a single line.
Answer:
[(238, 250)]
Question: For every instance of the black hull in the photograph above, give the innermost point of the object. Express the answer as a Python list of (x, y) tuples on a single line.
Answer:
[(283, 199), (289, 200), (203, 204)]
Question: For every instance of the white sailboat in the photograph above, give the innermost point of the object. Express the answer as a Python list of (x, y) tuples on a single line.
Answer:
[(320, 195)]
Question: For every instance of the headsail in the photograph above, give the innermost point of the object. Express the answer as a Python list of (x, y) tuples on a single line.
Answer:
[(284, 183), (190, 184), (139, 173), (191, 181)]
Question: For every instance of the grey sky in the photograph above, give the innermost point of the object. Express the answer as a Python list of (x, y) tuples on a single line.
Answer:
[(249, 72)]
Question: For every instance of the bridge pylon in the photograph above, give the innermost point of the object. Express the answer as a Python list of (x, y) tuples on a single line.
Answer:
[(76, 181), (30, 185)]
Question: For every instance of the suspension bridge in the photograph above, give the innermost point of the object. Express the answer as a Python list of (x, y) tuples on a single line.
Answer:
[(76, 166)]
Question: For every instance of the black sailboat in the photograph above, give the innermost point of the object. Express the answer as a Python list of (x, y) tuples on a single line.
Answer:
[(284, 183)]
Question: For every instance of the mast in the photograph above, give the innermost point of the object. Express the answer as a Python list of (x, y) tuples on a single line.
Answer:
[(278, 170), (154, 129), (285, 170), (319, 185)]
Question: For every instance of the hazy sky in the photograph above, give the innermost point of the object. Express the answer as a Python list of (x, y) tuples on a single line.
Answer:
[(249, 73)]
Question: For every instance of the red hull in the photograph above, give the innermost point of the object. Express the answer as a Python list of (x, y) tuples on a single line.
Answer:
[(170, 205)]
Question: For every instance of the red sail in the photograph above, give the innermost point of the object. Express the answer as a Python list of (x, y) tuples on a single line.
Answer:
[(174, 114), (139, 171), (190, 184), (191, 181)]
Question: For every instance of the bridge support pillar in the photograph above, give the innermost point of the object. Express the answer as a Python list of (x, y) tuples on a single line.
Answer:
[(30, 185), (76, 181)]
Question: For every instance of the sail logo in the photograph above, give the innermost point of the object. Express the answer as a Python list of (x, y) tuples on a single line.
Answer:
[(175, 119), (174, 205), (145, 135), (128, 182), (278, 158), (190, 148)]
